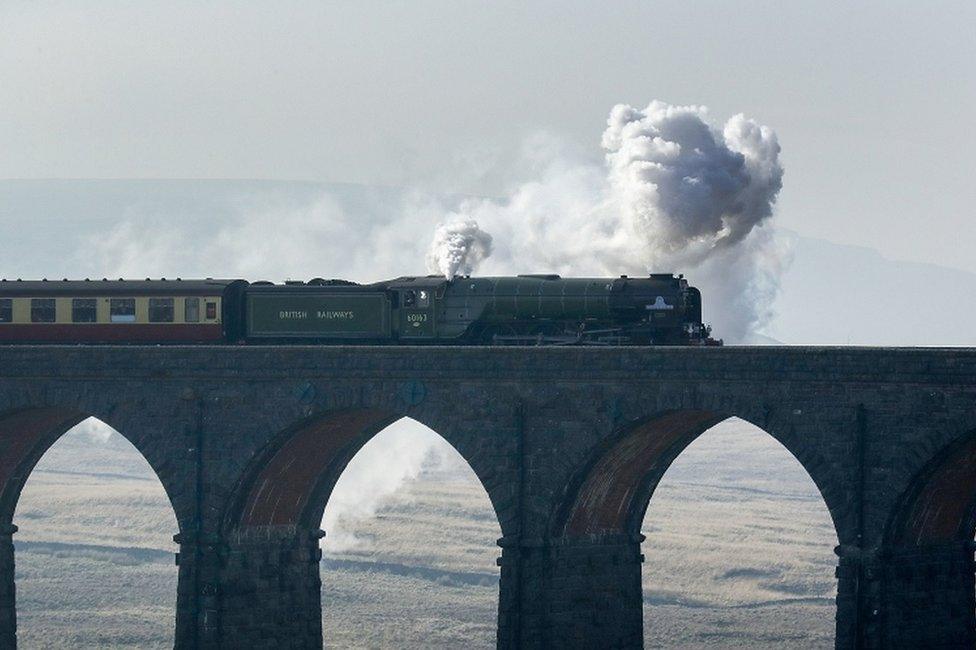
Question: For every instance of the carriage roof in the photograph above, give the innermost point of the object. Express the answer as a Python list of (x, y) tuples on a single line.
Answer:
[(117, 287)]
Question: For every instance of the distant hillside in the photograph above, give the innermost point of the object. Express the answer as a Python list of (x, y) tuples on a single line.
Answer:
[(832, 293), (50, 225), (838, 294)]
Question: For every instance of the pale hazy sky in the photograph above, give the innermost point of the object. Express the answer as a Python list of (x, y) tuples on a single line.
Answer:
[(873, 105)]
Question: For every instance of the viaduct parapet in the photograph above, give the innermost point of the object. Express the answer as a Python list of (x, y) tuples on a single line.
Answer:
[(569, 444)]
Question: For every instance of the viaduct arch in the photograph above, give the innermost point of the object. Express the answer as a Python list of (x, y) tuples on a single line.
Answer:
[(279, 503), (26, 434), (728, 527), (569, 444), (605, 503)]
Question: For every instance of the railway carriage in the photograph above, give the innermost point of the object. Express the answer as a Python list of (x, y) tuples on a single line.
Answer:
[(119, 311)]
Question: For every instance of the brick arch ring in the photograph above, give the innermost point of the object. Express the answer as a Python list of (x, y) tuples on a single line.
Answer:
[(610, 493), (290, 480)]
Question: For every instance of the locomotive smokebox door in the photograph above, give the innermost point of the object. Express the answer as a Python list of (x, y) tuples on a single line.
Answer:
[(417, 313)]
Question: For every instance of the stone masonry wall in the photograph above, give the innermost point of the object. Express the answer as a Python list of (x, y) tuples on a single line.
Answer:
[(270, 592), (928, 597)]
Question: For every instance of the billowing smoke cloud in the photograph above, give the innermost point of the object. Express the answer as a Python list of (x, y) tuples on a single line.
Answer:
[(395, 456), (459, 246), (676, 194), (685, 188)]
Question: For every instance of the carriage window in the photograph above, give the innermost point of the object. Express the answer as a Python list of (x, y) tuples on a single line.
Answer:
[(42, 310), (123, 310), (6, 310), (211, 311), (191, 310), (83, 310), (409, 298), (423, 299), (160, 310)]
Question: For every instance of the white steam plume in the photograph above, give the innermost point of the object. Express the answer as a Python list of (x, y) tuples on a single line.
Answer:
[(392, 458), (676, 194), (685, 188), (459, 246)]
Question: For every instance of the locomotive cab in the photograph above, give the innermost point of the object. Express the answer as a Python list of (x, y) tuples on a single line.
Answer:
[(416, 314), (416, 302)]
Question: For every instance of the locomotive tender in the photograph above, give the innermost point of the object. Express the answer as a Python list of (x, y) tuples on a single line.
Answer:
[(525, 310)]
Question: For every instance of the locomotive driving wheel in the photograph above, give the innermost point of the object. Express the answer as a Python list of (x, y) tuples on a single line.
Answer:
[(498, 335)]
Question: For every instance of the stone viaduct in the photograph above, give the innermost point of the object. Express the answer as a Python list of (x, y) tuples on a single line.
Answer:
[(569, 444)]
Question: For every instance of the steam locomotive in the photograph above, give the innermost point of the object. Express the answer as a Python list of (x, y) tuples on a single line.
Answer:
[(661, 309)]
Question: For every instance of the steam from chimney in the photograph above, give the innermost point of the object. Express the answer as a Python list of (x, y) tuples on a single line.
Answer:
[(684, 187), (459, 246), (676, 194)]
